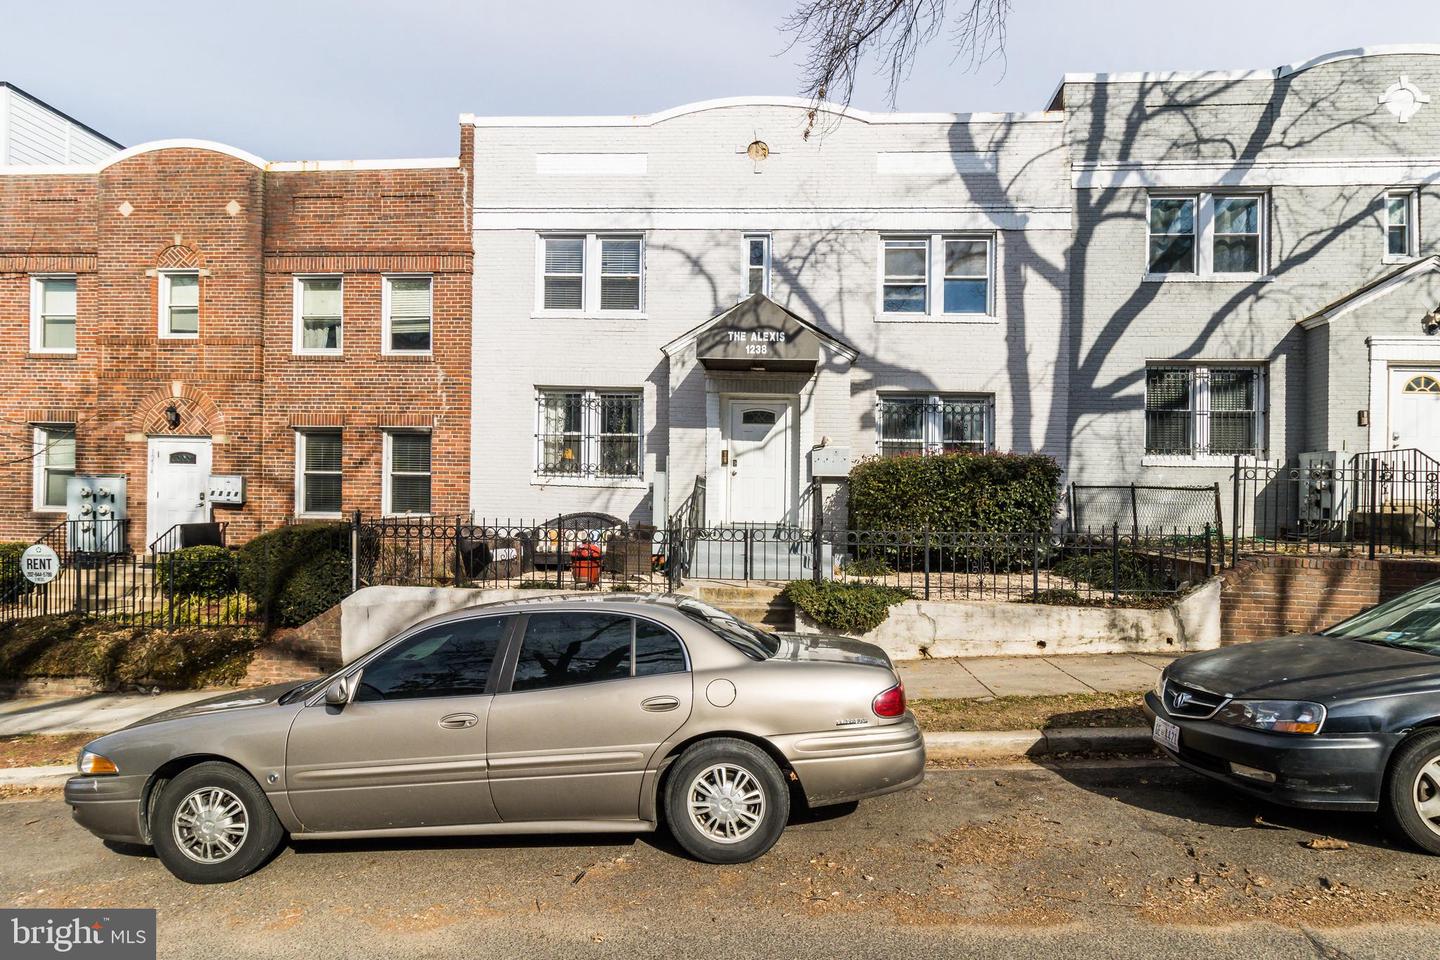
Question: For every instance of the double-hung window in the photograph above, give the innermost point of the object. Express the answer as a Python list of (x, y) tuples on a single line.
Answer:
[(407, 472), (407, 311), (936, 277), (934, 423), (755, 264), (592, 274), (52, 314), (588, 433), (1400, 234), (1194, 410), (54, 464), (319, 315), (318, 456), (1205, 235), (179, 304)]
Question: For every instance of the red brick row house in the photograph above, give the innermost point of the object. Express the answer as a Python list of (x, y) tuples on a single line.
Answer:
[(182, 308)]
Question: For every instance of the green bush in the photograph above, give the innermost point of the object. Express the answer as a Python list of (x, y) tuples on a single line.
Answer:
[(981, 492), (198, 572), (297, 572), (1098, 570), (13, 584), (854, 608)]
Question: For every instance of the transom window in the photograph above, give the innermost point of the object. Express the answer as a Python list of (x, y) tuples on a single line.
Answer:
[(179, 304), (319, 314), (54, 460), (407, 472), (588, 433), (1193, 410), (755, 264), (52, 314), (912, 424), (592, 273), (408, 309), (1400, 234), (1205, 235), (1424, 383), (936, 276), (319, 455)]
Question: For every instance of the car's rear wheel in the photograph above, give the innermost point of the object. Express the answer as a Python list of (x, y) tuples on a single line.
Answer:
[(213, 824), (726, 801), (1411, 805)]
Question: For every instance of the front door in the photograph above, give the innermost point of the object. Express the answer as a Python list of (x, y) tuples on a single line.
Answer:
[(178, 478), (759, 444), (1415, 409)]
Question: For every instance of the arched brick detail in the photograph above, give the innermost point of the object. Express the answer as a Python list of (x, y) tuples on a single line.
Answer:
[(177, 256), (199, 416)]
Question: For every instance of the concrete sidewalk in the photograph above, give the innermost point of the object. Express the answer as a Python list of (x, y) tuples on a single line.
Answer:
[(99, 713), (973, 678)]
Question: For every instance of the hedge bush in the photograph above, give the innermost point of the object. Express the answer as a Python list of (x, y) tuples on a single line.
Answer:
[(12, 582), (210, 572), (981, 492), (297, 572), (854, 608)]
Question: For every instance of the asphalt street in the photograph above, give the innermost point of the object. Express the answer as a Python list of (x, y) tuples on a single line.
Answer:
[(1103, 859)]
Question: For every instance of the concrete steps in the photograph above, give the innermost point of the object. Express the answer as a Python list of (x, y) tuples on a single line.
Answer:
[(757, 602)]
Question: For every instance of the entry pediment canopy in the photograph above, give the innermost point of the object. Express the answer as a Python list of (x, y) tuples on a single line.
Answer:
[(759, 334)]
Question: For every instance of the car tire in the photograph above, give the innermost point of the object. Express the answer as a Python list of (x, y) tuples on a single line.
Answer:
[(204, 811), (1413, 777), (741, 801)]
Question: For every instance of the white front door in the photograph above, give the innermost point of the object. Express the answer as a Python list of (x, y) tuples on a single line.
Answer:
[(1415, 409), (759, 445), (178, 476)]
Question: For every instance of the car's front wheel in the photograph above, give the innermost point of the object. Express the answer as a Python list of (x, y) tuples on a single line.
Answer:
[(213, 824), (1411, 805), (726, 801)]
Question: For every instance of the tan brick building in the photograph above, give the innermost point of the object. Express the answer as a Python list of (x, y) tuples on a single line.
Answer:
[(182, 308)]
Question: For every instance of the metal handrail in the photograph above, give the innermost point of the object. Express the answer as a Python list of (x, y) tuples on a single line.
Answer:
[(173, 535)]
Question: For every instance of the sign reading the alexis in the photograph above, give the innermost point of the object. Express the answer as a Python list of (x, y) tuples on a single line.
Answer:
[(758, 334)]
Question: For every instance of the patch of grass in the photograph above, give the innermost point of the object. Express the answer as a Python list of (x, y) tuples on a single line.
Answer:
[(1031, 713), (41, 749)]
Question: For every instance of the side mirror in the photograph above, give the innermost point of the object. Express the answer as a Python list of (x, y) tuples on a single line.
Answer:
[(342, 691)]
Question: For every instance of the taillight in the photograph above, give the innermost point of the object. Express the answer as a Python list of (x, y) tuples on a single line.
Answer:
[(891, 703)]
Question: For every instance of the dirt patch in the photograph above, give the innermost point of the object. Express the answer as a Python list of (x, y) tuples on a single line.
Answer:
[(42, 749), (987, 844), (8, 793), (1029, 713)]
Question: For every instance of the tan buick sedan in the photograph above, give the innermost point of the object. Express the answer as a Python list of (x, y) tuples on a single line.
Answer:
[(562, 714)]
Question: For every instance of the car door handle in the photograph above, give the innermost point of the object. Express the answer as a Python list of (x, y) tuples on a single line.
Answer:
[(459, 721), (659, 704)]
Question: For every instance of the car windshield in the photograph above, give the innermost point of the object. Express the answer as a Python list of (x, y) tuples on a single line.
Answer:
[(1410, 621), (755, 644)]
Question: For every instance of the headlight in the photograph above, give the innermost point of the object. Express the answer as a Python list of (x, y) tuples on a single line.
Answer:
[(94, 765), (1273, 716), (1160, 686)]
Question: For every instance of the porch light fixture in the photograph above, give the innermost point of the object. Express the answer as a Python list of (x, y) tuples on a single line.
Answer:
[(1431, 322), (172, 416)]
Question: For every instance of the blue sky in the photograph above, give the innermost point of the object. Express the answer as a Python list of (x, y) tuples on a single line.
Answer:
[(319, 79)]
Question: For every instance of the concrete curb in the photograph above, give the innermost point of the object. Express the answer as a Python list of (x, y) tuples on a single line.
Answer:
[(48, 776), (982, 744)]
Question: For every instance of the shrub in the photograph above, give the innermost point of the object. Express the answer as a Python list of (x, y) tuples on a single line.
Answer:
[(12, 582), (198, 572), (985, 492), (297, 572), (869, 566), (1098, 570), (854, 608)]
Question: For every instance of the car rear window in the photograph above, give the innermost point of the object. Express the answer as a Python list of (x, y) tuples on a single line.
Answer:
[(754, 643)]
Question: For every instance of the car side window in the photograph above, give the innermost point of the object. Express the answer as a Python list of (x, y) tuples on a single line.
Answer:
[(657, 650), (562, 649), (451, 660)]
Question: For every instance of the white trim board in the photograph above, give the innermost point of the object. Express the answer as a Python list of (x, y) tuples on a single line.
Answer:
[(1274, 73), (765, 219), (1277, 172), (284, 166), (1377, 289)]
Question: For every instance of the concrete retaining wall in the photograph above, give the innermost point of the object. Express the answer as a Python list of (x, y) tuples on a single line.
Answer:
[(372, 615), (969, 628)]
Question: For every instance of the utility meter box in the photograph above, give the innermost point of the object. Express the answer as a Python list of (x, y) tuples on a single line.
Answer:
[(95, 507), (227, 490), (1324, 492), (830, 463)]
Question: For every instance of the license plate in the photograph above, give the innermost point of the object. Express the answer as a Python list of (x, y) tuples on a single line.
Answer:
[(1166, 734)]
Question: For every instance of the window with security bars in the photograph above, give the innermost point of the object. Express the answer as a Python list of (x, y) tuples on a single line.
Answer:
[(588, 433), (592, 273), (1204, 410), (408, 314), (934, 423), (319, 314), (407, 472), (320, 471)]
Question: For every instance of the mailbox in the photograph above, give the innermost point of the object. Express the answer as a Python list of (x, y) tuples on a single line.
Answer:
[(227, 489), (830, 463)]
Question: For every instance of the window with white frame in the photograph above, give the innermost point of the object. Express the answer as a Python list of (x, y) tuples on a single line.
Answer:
[(179, 304), (1204, 410), (52, 314), (588, 433), (1400, 233), (910, 424), (1205, 235), (54, 463), (755, 264), (319, 314), (318, 457), (407, 472), (936, 276), (592, 273), (408, 307)]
